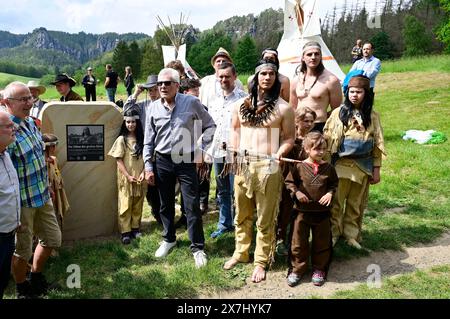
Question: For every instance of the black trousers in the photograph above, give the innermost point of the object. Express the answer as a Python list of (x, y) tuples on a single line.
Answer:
[(166, 174), (90, 93), (7, 245), (154, 201), (204, 188)]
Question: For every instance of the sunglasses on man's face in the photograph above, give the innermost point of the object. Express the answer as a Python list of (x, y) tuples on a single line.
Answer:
[(166, 83)]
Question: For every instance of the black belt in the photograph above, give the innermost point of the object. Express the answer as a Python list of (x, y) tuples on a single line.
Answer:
[(11, 233), (175, 155), (163, 155)]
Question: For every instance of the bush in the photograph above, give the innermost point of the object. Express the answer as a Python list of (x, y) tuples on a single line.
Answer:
[(47, 79)]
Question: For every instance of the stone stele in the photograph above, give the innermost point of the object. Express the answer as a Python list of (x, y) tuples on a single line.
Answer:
[(86, 131)]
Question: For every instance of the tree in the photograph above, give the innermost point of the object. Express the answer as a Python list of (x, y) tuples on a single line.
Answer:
[(121, 57), (150, 64), (443, 31), (246, 55), (135, 59), (417, 41), (382, 45)]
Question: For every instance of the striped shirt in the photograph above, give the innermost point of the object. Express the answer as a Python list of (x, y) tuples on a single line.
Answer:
[(27, 155)]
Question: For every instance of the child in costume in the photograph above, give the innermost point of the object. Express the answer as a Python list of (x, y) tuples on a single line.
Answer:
[(355, 145), (56, 183), (304, 122), (312, 184), (127, 150)]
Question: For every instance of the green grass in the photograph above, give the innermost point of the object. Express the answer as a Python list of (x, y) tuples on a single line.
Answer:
[(6, 78), (52, 95), (437, 63), (409, 206), (422, 284)]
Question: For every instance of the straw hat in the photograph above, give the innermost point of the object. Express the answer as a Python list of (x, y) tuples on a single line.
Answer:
[(35, 85), (221, 52)]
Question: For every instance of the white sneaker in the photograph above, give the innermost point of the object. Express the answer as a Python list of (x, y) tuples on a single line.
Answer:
[(164, 249), (200, 259)]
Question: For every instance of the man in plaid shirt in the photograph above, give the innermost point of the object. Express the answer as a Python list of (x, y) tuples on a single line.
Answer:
[(38, 216)]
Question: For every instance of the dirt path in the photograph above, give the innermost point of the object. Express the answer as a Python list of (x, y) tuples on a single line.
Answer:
[(347, 274)]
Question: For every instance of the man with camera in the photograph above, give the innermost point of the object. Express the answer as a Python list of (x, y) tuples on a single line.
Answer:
[(141, 106)]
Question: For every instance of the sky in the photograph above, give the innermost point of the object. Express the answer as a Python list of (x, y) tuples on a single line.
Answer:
[(123, 16)]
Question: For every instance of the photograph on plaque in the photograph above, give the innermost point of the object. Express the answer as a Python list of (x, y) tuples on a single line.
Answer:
[(85, 143)]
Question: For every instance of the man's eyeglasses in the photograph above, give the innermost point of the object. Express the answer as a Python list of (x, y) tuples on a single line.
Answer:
[(22, 99), (166, 83)]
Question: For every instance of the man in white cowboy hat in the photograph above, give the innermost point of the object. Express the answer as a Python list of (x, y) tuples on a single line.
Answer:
[(64, 84), (36, 90)]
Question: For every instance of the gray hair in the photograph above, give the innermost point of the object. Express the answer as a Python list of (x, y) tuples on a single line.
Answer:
[(174, 75), (10, 89)]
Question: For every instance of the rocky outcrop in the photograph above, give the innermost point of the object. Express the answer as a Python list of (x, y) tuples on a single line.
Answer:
[(81, 47)]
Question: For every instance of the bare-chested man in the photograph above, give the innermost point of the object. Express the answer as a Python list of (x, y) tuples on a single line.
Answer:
[(272, 55), (315, 87), (263, 130)]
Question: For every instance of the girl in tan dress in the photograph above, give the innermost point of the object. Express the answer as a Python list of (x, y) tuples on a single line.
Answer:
[(127, 150)]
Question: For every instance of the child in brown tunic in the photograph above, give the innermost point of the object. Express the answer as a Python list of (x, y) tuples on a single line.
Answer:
[(304, 122), (311, 184)]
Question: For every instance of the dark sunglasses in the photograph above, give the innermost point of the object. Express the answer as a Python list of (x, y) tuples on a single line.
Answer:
[(166, 83)]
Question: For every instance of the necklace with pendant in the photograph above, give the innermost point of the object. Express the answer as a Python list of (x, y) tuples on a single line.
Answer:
[(305, 91)]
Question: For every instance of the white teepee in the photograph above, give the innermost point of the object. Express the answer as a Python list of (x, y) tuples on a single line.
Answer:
[(176, 51), (301, 25)]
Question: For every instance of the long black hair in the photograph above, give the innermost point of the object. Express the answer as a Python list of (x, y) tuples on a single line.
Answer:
[(139, 132), (365, 109), (273, 94)]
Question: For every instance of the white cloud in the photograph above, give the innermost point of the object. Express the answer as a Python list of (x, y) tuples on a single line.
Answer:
[(99, 16)]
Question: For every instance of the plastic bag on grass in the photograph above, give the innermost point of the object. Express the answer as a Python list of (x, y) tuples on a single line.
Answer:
[(425, 137)]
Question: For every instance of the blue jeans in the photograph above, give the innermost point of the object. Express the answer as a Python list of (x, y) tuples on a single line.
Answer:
[(166, 174), (111, 92), (7, 245), (224, 196)]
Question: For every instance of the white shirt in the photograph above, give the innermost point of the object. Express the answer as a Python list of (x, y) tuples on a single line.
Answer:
[(210, 88), (220, 107), (9, 195), (36, 109)]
